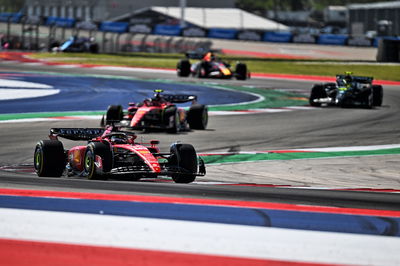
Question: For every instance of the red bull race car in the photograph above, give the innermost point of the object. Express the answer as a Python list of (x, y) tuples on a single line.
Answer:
[(111, 153), (210, 67), (159, 113)]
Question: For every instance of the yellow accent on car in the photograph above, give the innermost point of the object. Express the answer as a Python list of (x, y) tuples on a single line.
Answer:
[(226, 71)]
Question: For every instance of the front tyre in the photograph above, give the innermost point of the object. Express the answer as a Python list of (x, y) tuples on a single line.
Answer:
[(184, 158), (241, 71), (317, 92), (183, 68), (49, 158), (98, 161)]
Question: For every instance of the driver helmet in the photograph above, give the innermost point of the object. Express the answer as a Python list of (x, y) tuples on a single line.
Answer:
[(157, 95), (119, 139), (209, 56), (348, 78)]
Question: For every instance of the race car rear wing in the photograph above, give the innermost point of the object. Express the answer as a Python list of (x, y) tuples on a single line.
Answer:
[(358, 79), (199, 54), (180, 98), (76, 133), (194, 55)]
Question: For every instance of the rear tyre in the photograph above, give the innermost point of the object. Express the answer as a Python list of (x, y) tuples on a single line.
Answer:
[(369, 99), (91, 168), (378, 95), (171, 120), (317, 92), (183, 68), (184, 157), (49, 158), (241, 71), (114, 114), (201, 70), (198, 116)]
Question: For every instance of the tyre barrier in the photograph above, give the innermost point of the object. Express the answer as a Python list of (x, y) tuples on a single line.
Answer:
[(388, 50)]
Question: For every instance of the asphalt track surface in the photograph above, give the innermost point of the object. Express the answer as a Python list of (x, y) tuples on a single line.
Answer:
[(91, 93), (322, 127)]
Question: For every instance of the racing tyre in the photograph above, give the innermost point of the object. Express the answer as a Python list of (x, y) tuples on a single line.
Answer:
[(369, 99), (378, 95), (183, 68), (91, 167), (317, 92), (54, 45), (114, 114), (198, 116), (171, 120), (184, 157), (241, 71), (49, 158), (201, 70), (345, 103), (103, 121), (94, 48)]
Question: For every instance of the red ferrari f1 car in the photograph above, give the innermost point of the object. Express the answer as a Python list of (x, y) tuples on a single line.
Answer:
[(210, 67), (159, 112), (111, 152)]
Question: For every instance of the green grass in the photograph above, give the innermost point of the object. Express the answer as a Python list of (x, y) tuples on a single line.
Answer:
[(257, 65)]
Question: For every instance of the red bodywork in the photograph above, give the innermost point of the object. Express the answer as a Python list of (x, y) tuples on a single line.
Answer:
[(137, 113), (113, 152), (76, 155)]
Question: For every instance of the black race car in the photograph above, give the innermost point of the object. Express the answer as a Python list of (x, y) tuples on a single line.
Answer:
[(209, 66), (348, 91)]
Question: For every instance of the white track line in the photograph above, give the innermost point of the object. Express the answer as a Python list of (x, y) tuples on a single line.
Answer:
[(199, 237), (211, 113)]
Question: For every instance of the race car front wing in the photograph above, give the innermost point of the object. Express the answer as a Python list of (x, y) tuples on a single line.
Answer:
[(167, 170)]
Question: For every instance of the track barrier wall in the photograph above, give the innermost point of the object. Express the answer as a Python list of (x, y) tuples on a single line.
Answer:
[(120, 36)]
